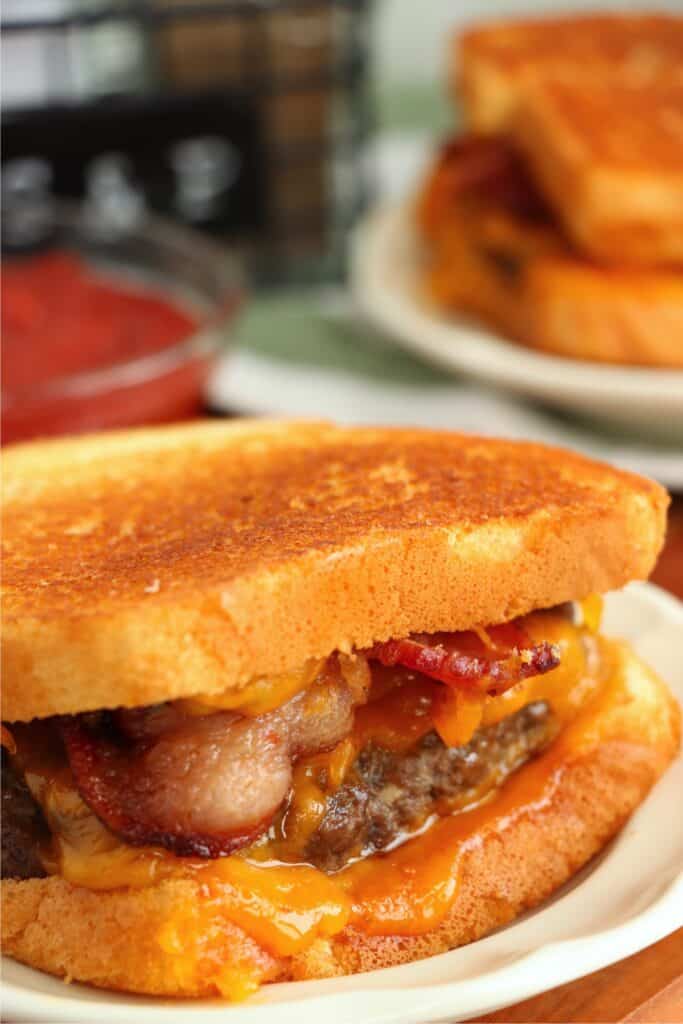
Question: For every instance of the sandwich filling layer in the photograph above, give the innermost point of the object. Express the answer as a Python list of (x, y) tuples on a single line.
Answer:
[(299, 798)]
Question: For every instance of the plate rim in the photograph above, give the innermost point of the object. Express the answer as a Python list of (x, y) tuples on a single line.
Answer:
[(482, 353), (520, 978), (227, 395)]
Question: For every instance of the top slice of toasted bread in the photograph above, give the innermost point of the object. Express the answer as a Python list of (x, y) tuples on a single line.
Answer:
[(608, 154), (491, 61), (147, 565)]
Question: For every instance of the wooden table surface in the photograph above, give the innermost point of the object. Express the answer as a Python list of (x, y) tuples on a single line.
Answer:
[(647, 987)]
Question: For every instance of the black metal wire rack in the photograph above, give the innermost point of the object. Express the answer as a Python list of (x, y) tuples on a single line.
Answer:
[(245, 118)]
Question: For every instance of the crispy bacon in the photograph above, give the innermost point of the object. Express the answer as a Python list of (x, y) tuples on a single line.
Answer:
[(147, 723), (204, 786), (475, 167), (112, 779), (7, 740), (490, 662)]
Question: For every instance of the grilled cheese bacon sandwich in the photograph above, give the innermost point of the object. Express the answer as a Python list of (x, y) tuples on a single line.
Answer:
[(556, 217), (493, 249), (289, 700)]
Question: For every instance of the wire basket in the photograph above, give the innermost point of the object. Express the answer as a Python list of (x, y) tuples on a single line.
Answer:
[(248, 120)]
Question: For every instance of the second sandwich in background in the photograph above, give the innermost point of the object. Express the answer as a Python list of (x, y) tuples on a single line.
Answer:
[(557, 218)]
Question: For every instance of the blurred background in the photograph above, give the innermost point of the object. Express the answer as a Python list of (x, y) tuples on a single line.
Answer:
[(208, 209)]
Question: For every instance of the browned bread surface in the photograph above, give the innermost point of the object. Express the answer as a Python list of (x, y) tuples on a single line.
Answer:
[(490, 252), (630, 317), (111, 939), (609, 155), (146, 565), (492, 60)]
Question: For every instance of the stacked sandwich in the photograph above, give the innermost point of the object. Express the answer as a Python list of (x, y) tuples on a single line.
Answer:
[(287, 700), (558, 218)]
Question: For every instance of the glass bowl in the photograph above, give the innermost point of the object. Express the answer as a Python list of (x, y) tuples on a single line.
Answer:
[(182, 269)]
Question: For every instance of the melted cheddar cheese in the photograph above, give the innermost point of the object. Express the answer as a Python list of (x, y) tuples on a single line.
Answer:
[(284, 907), (259, 696)]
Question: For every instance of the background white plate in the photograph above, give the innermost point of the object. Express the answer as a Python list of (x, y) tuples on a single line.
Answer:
[(385, 261), (255, 384), (631, 896)]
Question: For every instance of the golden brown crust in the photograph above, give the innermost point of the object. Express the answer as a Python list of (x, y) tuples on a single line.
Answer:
[(575, 309), (608, 154), (152, 564), (491, 61), (111, 939)]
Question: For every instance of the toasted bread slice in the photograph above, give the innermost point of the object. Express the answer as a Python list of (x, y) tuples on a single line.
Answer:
[(491, 61), (608, 154), (509, 263), (592, 781), (147, 565)]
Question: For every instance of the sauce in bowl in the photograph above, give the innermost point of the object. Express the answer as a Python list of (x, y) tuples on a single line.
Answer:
[(86, 347), (59, 318)]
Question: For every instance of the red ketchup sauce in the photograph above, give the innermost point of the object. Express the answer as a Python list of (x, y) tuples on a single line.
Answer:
[(61, 320)]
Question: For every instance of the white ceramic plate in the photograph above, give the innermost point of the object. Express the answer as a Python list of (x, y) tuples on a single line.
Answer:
[(385, 261), (631, 896)]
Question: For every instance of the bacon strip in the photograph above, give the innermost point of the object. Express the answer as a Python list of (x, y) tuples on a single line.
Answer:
[(112, 779), (465, 661), (7, 740), (202, 786), (479, 168)]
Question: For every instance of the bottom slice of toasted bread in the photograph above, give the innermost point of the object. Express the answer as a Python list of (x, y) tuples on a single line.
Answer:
[(119, 939)]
